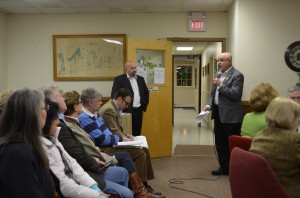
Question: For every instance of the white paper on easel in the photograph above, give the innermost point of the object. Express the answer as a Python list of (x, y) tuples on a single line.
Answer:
[(201, 116)]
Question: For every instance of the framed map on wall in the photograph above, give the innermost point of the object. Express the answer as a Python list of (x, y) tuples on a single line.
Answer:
[(88, 57)]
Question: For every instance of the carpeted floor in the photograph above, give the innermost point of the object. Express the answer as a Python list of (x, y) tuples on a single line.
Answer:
[(195, 170), (191, 150)]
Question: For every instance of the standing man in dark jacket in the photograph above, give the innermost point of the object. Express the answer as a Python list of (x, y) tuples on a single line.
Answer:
[(138, 87), (227, 112)]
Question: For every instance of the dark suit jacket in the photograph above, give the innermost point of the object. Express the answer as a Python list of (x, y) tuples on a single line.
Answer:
[(230, 94), (123, 82)]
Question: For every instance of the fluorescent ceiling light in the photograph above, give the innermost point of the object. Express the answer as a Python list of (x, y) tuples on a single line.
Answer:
[(113, 41), (184, 48)]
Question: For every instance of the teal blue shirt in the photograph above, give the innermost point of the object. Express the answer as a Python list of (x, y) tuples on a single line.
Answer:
[(253, 122)]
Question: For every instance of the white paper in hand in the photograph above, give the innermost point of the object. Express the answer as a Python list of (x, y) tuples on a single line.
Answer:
[(201, 116)]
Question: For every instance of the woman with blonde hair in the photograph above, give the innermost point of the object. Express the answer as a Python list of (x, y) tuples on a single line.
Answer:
[(279, 143), (261, 96), (3, 98)]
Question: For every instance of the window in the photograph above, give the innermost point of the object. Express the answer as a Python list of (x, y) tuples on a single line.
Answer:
[(184, 75)]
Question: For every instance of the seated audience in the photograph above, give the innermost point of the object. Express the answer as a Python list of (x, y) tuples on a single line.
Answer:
[(116, 178), (294, 94), (260, 98), (94, 125), (74, 181), (280, 143), (3, 98), (24, 166), (74, 109), (111, 111)]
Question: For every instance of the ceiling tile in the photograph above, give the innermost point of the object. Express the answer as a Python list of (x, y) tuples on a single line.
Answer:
[(86, 3), (92, 6)]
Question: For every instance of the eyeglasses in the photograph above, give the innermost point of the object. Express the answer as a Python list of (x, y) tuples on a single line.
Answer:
[(58, 95), (127, 103), (46, 107), (79, 102), (295, 97), (221, 60)]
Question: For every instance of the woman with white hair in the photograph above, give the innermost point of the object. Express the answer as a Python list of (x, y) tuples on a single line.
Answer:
[(279, 143)]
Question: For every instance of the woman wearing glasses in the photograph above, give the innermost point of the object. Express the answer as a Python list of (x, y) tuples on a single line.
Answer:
[(24, 167)]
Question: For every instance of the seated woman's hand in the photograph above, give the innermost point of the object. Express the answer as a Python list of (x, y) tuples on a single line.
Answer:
[(103, 195), (102, 166)]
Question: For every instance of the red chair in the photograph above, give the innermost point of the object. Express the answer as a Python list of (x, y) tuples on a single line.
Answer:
[(239, 141), (251, 176)]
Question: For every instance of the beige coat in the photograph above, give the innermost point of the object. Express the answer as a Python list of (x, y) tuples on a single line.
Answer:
[(111, 117), (281, 147)]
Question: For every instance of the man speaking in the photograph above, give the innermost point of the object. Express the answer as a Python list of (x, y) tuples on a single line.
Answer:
[(227, 112)]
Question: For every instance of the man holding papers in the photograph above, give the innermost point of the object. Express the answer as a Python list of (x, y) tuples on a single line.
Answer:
[(104, 138), (111, 114), (227, 111)]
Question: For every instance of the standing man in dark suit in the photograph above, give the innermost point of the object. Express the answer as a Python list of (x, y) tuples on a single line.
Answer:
[(227, 112), (138, 87)]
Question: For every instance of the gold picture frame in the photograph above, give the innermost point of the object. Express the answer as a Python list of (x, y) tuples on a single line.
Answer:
[(88, 57)]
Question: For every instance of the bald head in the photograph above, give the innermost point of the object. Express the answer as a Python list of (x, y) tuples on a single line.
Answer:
[(224, 61), (130, 68)]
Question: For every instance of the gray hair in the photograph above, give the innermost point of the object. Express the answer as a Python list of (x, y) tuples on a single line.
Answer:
[(293, 88), (48, 91), (89, 95), (21, 117)]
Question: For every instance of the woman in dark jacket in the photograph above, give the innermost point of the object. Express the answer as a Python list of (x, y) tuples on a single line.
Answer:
[(24, 167)]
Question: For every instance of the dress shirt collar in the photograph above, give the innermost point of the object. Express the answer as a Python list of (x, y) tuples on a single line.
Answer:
[(129, 77), (226, 72), (117, 107), (89, 113), (61, 117)]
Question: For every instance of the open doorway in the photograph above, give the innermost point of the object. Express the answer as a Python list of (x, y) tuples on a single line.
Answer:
[(204, 51), (192, 77)]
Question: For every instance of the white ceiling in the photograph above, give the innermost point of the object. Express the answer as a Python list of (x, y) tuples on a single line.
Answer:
[(197, 47), (118, 6), (107, 6)]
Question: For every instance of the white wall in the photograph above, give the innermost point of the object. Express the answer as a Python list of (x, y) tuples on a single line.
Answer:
[(29, 40), (2, 52), (258, 34), (264, 30), (210, 53)]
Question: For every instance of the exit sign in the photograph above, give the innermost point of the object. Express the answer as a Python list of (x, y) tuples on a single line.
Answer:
[(196, 25)]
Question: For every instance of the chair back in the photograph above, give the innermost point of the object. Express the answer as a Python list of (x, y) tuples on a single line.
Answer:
[(251, 175), (239, 141)]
